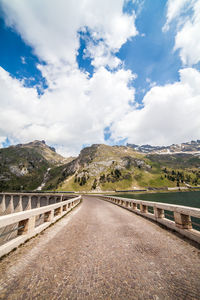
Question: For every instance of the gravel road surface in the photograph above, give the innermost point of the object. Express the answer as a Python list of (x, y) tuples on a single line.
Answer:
[(102, 251)]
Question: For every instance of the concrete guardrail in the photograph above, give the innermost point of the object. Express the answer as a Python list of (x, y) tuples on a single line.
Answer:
[(179, 219), (25, 222), (15, 202)]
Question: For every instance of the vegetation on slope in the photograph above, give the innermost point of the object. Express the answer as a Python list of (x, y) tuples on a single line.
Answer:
[(97, 168), (22, 167), (102, 168)]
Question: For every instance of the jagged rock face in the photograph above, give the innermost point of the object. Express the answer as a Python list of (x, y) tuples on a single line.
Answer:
[(46, 151), (101, 164), (129, 162), (16, 170), (71, 168), (88, 154), (84, 160), (102, 167)]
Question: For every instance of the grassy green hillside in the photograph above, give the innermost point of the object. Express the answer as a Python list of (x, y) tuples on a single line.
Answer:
[(97, 168), (103, 168), (22, 167)]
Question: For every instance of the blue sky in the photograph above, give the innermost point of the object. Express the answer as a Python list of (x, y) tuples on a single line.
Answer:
[(149, 56), (100, 68), (17, 57)]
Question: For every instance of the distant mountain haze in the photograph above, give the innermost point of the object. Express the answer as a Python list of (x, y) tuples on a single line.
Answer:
[(193, 146)]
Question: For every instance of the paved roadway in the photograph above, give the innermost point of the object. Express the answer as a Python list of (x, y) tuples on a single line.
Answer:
[(102, 251)]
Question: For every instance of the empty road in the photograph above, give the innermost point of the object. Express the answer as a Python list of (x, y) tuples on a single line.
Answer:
[(102, 251)]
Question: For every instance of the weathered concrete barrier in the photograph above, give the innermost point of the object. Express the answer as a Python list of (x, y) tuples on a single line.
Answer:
[(26, 225), (179, 220), (15, 202)]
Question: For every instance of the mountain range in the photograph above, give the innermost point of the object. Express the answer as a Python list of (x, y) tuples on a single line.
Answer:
[(36, 166), (189, 147)]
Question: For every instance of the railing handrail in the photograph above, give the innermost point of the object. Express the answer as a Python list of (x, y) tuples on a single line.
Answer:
[(35, 193), (192, 211), (9, 219), (27, 222)]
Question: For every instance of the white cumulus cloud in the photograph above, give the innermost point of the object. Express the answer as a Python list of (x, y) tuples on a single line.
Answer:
[(72, 113), (51, 27), (188, 38), (186, 13), (170, 113), (74, 109), (174, 10)]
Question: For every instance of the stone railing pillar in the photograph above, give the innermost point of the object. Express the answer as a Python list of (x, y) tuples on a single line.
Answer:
[(65, 207), (58, 211), (143, 209), (48, 216), (10, 208), (27, 225), (3, 205), (29, 203), (182, 221), (47, 199), (134, 206), (19, 205), (159, 213), (38, 202)]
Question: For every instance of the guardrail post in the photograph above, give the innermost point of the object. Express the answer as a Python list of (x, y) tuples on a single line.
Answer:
[(28, 206), (143, 209), (58, 211), (159, 213), (38, 202), (27, 225), (48, 216), (134, 206), (182, 221), (47, 199), (10, 208), (3, 205), (65, 207), (19, 205)]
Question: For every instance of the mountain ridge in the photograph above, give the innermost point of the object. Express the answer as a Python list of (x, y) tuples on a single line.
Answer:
[(101, 167), (189, 147), (23, 166), (98, 167)]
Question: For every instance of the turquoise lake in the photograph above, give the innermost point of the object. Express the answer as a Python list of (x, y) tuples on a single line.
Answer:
[(181, 198)]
